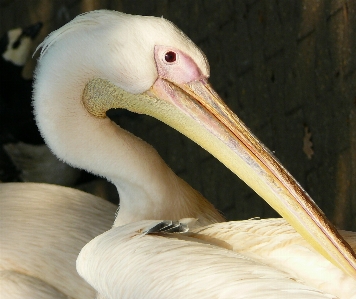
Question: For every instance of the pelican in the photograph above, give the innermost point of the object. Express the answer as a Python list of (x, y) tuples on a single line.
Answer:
[(103, 60), (43, 227)]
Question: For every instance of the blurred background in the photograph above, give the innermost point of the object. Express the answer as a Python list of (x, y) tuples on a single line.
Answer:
[(286, 68)]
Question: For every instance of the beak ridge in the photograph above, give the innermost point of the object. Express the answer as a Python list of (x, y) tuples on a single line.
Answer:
[(289, 199)]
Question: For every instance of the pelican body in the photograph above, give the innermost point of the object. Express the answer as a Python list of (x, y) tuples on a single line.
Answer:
[(43, 228), (240, 259)]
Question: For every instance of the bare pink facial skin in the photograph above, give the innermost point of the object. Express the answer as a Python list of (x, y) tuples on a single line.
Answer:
[(179, 69)]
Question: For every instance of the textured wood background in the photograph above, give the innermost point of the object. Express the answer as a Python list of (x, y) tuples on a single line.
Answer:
[(287, 68)]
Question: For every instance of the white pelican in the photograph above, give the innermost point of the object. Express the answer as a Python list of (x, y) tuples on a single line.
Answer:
[(43, 228), (104, 60)]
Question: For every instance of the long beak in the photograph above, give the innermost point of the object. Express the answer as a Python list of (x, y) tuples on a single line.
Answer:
[(197, 111), (249, 159)]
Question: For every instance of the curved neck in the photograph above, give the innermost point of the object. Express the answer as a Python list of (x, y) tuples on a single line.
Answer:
[(147, 187)]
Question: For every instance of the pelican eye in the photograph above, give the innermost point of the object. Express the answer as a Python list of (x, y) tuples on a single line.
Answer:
[(170, 57)]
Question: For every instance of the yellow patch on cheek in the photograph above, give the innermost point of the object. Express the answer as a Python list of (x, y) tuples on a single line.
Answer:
[(100, 95)]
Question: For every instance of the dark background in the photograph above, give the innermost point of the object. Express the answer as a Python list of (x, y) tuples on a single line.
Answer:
[(286, 68)]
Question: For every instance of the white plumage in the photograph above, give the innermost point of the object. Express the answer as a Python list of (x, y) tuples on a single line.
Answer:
[(244, 259), (104, 60), (43, 228)]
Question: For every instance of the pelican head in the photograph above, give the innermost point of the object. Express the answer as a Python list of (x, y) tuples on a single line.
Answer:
[(103, 60)]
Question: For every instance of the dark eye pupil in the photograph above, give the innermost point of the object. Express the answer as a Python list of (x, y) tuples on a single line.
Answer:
[(170, 56)]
